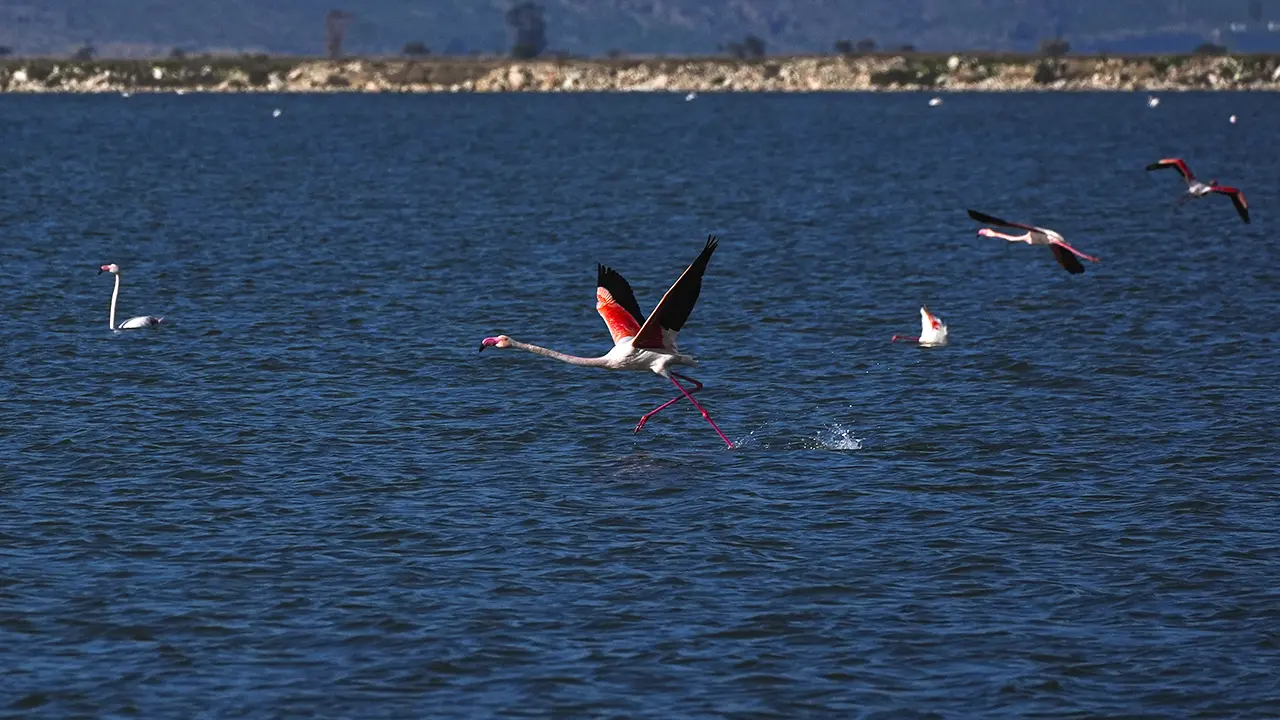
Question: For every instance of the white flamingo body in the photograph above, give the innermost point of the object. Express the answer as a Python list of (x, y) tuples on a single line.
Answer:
[(646, 345), (142, 321), (626, 356), (933, 332), (133, 323)]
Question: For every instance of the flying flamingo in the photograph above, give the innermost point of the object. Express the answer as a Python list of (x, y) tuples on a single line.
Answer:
[(1197, 189), (648, 345), (1064, 253), (933, 331), (141, 321)]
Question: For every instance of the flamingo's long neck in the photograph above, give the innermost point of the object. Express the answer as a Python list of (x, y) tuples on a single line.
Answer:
[(1013, 238), (602, 361), (111, 320)]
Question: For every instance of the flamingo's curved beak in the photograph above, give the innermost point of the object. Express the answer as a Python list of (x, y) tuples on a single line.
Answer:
[(99, 271)]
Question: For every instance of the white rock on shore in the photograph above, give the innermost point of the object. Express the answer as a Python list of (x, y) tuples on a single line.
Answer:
[(789, 74)]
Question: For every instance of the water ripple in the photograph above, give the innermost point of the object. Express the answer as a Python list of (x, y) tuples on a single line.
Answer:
[(309, 495)]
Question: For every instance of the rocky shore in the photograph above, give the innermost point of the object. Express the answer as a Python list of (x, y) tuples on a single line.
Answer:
[(911, 72)]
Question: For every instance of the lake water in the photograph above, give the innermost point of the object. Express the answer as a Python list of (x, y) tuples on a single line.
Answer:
[(307, 495)]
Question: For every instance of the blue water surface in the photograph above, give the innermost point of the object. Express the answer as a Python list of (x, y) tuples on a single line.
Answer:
[(308, 495)]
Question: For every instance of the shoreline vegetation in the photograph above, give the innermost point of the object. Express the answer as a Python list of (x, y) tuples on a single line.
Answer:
[(930, 72)]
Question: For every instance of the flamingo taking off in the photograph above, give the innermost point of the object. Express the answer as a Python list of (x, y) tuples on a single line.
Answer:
[(1064, 253), (933, 331), (1198, 189), (640, 345), (134, 323)]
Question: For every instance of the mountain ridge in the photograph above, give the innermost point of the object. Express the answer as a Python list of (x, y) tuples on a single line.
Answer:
[(596, 27)]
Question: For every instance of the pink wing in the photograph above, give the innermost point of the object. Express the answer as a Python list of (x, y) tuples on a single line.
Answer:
[(1073, 251), (1173, 163), (1066, 259), (1237, 199), (617, 304)]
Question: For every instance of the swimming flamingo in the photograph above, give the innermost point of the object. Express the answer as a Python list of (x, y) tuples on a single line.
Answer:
[(933, 331), (650, 345), (141, 321), (1064, 253), (1197, 189)]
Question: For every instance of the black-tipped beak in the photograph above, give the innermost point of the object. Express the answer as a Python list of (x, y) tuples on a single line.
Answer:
[(99, 271), (481, 347)]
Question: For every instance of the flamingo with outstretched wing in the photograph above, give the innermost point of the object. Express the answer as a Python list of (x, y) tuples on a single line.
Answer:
[(648, 345), (1062, 252)]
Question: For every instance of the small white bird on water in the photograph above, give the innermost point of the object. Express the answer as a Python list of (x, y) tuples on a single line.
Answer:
[(276, 113), (1153, 101), (690, 97), (933, 332), (142, 321), (935, 102)]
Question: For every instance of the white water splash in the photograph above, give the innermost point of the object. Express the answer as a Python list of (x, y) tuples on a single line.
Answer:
[(837, 437), (831, 437), (754, 437), (774, 434)]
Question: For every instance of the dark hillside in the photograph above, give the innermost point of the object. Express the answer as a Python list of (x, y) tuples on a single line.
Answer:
[(594, 27)]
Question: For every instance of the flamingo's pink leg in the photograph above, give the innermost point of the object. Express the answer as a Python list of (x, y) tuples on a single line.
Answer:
[(703, 411), (668, 403), (645, 418)]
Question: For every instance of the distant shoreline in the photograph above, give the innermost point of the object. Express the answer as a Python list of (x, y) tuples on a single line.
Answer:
[(921, 72)]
